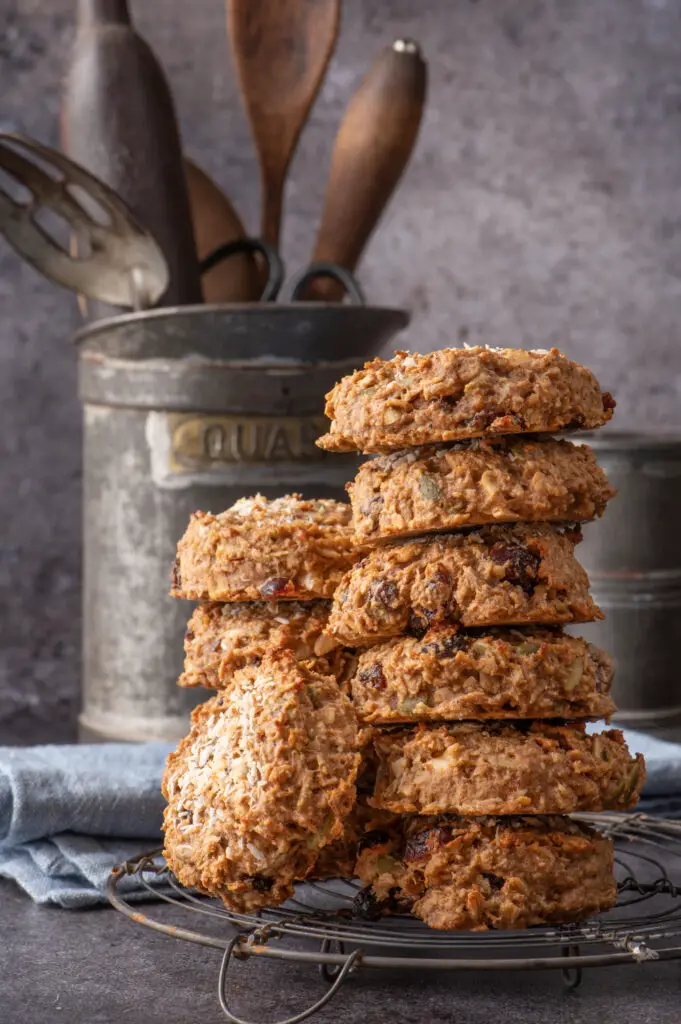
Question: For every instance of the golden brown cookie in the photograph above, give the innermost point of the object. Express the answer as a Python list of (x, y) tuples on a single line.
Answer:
[(265, 779), (455, 393), (480, 873), (337, 860), (476, 482), (451, 674), (495, 575), (521, 768), (260, 550), (221, 639)]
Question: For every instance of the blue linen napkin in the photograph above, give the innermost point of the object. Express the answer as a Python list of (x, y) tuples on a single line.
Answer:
[(69, 814), (662, 790)]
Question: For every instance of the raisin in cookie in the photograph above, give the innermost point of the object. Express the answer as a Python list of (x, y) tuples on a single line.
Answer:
[(495, 575), (265, 779), (260, 550), (456, 393), (476, 482), (499, 768), (480, 873), (451, 674), (221, 639)]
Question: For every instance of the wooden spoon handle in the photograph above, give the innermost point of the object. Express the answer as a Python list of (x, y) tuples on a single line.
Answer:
[(374, 143), (281, 50), (216, 222)]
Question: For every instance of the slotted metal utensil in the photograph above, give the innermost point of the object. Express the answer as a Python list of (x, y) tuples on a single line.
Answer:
[(118, 261)]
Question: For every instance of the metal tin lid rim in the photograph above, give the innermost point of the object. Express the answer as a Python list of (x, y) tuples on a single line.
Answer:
[(84, 334), (272, 334)]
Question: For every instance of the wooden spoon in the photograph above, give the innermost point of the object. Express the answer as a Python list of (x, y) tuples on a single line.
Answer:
[(373, 146), (281, 50), (216, 222)]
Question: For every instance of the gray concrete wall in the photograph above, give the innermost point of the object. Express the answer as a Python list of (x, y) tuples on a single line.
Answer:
[(543, 207)]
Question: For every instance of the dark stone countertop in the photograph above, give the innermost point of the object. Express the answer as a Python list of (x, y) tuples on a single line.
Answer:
[(97, 967)]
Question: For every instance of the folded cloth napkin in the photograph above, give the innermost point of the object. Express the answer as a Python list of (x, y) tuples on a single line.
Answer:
[(662, 790), (69, 814)]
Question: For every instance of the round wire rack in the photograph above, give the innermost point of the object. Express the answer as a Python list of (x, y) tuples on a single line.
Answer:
[(318, 926)]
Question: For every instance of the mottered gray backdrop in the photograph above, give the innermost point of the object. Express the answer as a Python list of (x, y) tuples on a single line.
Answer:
[(542, 207)]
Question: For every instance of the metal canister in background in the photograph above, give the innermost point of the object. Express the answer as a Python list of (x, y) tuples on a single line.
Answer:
[(184, 409), (633, 557)]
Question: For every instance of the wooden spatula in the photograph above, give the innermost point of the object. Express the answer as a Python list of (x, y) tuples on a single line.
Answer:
[(373, 146), (281, 50), (216, 222)]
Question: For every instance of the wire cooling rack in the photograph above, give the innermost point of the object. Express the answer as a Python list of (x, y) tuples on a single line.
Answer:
[(318, 925)]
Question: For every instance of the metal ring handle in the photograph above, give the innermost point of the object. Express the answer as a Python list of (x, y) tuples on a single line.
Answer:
[(275, 265), (351, 962), (325, 268), (329, 972), (572, 976)]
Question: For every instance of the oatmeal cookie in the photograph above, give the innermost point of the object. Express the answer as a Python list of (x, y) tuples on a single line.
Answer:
[(479, 873), (260, 550), (221, 639), (265, 779), (476, 482), (452, 674), (495, 575), (502, 768), (337, 860), (455, 393)]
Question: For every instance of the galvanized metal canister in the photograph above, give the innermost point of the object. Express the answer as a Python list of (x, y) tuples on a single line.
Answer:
[(633, 557), (189, 409)]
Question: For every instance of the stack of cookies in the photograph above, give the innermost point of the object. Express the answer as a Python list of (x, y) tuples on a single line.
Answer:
[(261, 791), (466, 734), (264, 572), (478, 699)]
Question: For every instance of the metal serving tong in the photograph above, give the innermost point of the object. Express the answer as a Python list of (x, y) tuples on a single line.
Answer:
[(115, 259)]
